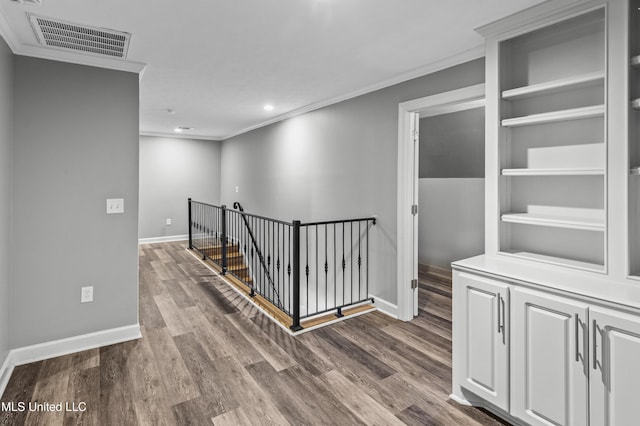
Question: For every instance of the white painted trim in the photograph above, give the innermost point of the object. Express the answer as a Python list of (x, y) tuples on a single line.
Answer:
[(74, 344), (466, 56), (440, 102), (180, 136), (5, 373), (55, 348), (385, 307), (460, 401), (81, 59), (167, 239), (532, 18)]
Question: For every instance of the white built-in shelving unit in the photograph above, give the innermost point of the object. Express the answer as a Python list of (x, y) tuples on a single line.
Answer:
[(546, 324), (552, 144)]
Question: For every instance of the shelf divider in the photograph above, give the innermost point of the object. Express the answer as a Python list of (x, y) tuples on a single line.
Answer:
[(555, 86), (555, 116), (552, 172), (579, 223), (562, 261)]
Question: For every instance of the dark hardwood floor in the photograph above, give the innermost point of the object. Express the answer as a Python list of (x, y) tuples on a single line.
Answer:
[(209, 357)]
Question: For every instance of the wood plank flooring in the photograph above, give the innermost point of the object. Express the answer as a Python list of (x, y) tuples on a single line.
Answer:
[(208, 357)]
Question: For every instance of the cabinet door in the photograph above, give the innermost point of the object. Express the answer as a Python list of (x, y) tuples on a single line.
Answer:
[(484, 341), (549, 359), (615, 368)]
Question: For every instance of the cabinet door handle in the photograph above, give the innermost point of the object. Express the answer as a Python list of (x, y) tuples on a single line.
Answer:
[(595, 344), (499, 316), (577, 342), (503, 310)]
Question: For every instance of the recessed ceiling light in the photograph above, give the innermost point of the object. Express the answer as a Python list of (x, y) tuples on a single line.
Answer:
[(181, 129), (268, 107)]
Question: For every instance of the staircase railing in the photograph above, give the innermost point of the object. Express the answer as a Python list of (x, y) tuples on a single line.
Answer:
[(305, 269), (247, 236)]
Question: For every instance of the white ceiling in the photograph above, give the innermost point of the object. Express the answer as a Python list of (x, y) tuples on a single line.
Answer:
[(217, 62)]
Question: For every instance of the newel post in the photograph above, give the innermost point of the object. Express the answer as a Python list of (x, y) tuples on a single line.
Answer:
[(295, 326), (223, 227), (190, 227)]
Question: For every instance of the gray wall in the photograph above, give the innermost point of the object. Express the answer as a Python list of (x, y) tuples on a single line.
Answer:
[(171, 171), (76, 144), (451, 220), (6, 144), (336, 162), (452, 145)]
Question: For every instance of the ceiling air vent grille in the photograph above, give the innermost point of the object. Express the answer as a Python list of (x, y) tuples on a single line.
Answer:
[(65, 35)]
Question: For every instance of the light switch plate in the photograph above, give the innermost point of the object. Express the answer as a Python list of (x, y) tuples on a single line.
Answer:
[(115, 205), (86, 294)]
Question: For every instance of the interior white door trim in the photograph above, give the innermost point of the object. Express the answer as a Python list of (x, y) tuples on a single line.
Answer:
[(442, 103)]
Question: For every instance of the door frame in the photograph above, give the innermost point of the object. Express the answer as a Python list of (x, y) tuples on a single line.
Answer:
[(442, 103)]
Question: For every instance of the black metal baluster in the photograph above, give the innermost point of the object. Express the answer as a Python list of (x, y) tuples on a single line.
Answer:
[(278, 248), (223, 225), (359, 259), (190, 234), (367, 269), (306, 268), (317, 267), (204, 235), (326, 268), (351, 261), (335, 268), (344, 284), (290, 290), (295, 326)]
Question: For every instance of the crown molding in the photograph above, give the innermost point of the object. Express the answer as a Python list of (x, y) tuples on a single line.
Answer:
[(180, 136), (528, 19), (468, 55)]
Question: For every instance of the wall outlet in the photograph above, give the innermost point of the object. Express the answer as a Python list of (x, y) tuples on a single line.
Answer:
[(237, 189), (115, 205), (86, 294), (168, 222)]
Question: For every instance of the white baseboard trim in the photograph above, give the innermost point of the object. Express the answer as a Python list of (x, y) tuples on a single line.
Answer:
[(66, 346), (385, 307), (167, 239), (74, 344), (5, 373), (459, 400)]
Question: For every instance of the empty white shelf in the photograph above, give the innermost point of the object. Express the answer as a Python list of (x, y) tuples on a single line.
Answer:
[(635, 104), (555, 260), (554, 116), (635, 170), (580, 223), (552, 172), (635, 61), (555, 86)]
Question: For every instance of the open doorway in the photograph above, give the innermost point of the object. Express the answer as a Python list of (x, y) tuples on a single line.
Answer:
[(450, 190), (449, 223)]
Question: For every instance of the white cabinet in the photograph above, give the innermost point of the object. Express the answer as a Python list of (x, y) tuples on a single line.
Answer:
[(484, 339), (549, 359), (542, 358), (615, 368)]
